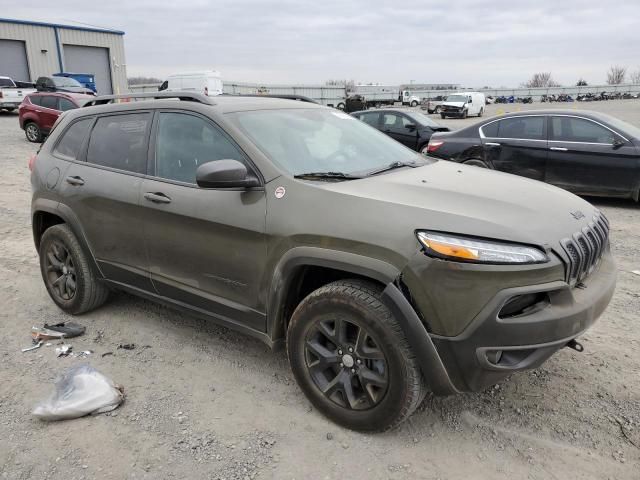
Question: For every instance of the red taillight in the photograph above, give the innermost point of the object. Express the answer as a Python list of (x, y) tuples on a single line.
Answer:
[(32, 162), (434, 145)]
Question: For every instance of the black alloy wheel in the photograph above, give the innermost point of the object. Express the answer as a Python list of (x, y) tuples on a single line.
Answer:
[(346, 364), (61, 272)]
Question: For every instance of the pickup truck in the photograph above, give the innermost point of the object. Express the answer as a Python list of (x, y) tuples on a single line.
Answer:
[(11, 96)]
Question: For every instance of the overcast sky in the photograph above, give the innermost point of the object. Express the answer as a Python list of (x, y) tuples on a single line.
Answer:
[(495, 43)]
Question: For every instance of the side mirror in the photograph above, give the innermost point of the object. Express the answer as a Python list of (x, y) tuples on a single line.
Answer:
[(225, 174), (617, 143), (410, 126)]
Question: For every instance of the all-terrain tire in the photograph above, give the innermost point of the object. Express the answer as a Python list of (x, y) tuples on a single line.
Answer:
[(358, 304), (89, 292)]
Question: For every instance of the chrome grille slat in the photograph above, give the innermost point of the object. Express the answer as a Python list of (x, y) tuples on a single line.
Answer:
[(585, 249)]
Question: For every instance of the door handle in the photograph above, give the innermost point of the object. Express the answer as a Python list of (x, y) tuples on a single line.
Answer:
[(492, 144), (75, 181), (559, 149), (157, 197)]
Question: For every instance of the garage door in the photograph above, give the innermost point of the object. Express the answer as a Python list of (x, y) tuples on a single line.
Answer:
[(13, 60), (81, 59)]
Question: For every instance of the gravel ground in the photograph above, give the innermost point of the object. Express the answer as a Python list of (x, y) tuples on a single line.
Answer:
[(205, 402)]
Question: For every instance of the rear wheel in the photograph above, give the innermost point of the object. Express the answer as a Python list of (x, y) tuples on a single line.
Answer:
[(340, 106), (443, 116), (33, 132), (351, 358), (67, 274), (476, 162), (481, 112), (424, 149)]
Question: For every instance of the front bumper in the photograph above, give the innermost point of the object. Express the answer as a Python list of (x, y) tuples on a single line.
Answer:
[(490, 348)]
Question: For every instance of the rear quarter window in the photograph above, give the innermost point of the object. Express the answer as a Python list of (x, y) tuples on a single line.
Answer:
[(490, 129), (71, 140)]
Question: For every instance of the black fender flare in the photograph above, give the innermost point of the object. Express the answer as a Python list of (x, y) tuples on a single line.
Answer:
[(66, 214), (287, 266), (433, 370)]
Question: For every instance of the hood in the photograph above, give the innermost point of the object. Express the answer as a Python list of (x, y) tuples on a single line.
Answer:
[(449, 197), (453, 104)]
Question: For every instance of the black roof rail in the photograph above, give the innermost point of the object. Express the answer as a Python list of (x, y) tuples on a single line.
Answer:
[(299, 98), (185, 96)]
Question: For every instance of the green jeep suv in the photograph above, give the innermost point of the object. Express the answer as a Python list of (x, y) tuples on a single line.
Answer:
[(384, 273)]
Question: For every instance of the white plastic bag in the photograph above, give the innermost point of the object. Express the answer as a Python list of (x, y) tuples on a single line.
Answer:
[(80, 391)]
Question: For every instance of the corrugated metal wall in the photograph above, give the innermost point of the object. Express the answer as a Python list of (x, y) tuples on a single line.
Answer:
[(38, 38), (115, 44)]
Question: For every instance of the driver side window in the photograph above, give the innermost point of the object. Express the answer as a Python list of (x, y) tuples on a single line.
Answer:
[(184, 142)]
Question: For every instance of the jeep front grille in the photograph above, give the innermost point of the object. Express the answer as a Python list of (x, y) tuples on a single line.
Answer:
[(585, 248)]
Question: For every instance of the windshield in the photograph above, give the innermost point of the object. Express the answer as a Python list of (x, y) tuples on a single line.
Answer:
[(319, 140), (422, 119), (457, 98), (65, 82), (6, 82)]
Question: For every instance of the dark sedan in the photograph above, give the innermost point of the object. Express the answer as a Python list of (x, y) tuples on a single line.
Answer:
[(61, 84), (413, 129), (584, 152)]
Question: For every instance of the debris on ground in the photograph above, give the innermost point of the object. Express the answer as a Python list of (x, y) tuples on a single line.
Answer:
[(64, 350), (80, 391), (106, 354), (636, 272), (33, 347), (127, 346), (57, 331), (68, 329)]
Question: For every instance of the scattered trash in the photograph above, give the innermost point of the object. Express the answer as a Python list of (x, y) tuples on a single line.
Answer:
[(68, 329), (83, 354), (33, 347), (57, 331), (80, 391), (106, 354), (64, 350), (636, 272), (127, 346)]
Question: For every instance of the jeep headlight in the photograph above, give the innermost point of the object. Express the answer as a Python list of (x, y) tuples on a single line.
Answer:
[(468, 249)]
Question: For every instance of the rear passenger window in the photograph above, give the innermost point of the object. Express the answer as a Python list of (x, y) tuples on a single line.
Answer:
[(527, 128), (65, 104), (490, 130), (370, 118), (184, 142), (71, 140), (49, 101), (35, 100), (570, 129), (120, 141)]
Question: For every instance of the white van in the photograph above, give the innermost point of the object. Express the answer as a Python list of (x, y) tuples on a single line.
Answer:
[(463, 104), (208, 82)]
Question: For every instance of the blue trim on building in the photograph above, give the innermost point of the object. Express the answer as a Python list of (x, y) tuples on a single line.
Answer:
[(60, 63), (57, 25)]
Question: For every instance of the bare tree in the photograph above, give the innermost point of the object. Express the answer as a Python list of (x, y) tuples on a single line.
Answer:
[(635, 77), (616, 74), (541, 79), (581, 83)]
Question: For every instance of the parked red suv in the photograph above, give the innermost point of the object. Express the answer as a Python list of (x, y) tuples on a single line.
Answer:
[(39, 111)]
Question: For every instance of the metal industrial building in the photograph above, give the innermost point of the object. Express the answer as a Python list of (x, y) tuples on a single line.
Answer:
[(29, 50)]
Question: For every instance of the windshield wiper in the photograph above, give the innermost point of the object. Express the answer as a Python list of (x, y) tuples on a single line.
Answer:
[(393, 166), (329, 175)]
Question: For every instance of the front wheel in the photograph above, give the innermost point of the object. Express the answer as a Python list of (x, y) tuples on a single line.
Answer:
[(464, 114), (351, 358), (438, 110), (414, 104), (443, 116), (341, 106), (481, 112)]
